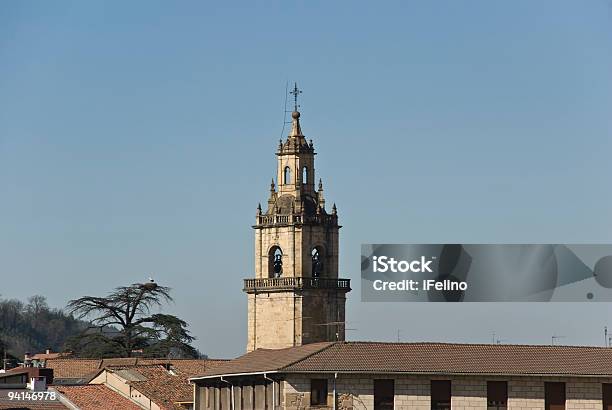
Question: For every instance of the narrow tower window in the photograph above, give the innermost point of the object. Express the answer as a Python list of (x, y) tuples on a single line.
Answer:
[(287, 177), (275, 262), (305, 175), (317, 263)]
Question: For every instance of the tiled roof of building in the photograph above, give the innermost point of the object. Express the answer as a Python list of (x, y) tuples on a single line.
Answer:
[(165, 388), (426, 358), (85, 369), (72, 368), (261, 360), (6, 403), (95, 397), (189, 367), (46, 356)]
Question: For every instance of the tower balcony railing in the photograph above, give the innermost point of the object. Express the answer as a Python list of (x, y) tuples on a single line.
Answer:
[(295, 283), (297, 219)]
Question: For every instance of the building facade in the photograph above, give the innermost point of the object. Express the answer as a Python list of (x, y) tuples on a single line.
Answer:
[(296, 296), (420, 376)]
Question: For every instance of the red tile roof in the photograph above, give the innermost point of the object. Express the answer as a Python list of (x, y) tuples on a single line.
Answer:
[(45, 356), (425, 358), (65, 368), (164, 387), (96, 397), (72, 368)]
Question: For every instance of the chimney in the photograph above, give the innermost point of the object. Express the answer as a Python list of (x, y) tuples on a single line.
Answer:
[(38, 383), (48, 350)]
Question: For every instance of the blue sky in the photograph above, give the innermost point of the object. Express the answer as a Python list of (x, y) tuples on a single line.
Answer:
[(136, 139)]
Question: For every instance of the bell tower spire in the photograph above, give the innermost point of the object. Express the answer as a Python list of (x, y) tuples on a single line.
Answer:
[(296, 91), (296, 130), (296, 296)]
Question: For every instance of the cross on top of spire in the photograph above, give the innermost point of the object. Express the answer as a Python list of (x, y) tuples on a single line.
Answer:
[(296, 91)]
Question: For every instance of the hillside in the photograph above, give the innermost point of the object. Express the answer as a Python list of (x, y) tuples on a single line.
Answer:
[(34, 326)]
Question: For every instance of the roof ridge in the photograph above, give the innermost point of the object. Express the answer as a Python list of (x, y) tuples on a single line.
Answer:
[(323, 348), (475, 344), (117, 366)]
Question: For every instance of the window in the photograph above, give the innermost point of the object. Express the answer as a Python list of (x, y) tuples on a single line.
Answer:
[(287, 177), (606, 390), (554, 396), (497, 395), (440, 395), (305, 175), (318, 392), (384, 394)]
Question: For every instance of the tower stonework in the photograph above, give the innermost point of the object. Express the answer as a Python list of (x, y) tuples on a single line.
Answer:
[(296, 296)]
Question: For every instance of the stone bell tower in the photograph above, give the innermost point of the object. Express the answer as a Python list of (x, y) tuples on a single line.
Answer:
[(296, 296)]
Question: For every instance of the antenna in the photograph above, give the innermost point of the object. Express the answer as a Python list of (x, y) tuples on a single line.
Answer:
[(606, 336), (285, 110), (337, 324), (554, 338)]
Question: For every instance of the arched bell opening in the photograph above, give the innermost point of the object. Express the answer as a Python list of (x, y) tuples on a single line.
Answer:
[(275, 262), (317, 262)]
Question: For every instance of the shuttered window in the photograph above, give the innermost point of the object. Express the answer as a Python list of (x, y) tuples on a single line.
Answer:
[(384, 394), (440, 395), (318, 392), (606, 390), (554, 396), (497, 395)]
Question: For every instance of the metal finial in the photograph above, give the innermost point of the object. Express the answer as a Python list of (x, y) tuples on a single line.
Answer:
[(295, 93)]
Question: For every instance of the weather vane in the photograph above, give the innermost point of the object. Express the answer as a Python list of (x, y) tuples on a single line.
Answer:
[(295, 93)]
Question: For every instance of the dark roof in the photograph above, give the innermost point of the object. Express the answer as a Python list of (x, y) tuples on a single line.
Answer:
[(30, 372), (425, 358)]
